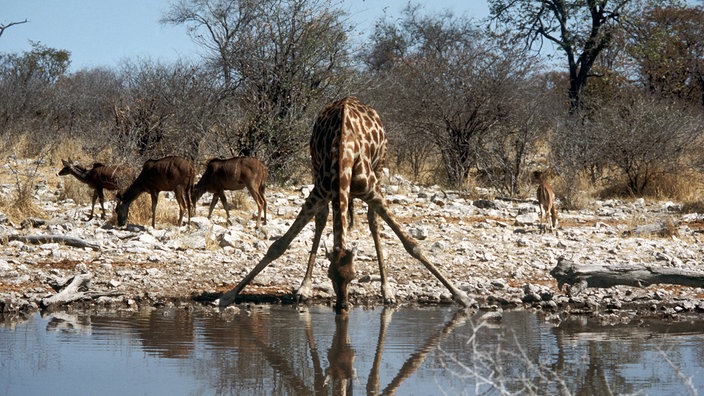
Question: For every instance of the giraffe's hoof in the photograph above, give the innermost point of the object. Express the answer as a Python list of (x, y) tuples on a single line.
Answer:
[(342, 308), (303, 294), (227, 299), (465, 301), (388, 295), (300, 299)]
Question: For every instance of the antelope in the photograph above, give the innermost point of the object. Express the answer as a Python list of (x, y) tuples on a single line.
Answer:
[(99, 177), (233, 174), (546, 203), (166, 174)]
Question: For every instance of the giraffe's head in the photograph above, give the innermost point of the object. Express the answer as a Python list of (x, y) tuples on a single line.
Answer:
[(341, 273)]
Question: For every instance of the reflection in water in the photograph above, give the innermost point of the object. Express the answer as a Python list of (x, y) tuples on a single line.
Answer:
[(289, 350), (341, 373)]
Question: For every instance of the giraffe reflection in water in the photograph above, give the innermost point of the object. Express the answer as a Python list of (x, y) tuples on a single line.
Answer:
[(273, 349)]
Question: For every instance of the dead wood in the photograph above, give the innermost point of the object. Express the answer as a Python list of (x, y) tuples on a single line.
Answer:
[(579, 277), (62, 239), (76, 289)]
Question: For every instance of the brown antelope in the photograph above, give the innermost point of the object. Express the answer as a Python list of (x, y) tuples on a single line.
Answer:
[(167, 174), (546, 203), (99, 177), (233, 174)]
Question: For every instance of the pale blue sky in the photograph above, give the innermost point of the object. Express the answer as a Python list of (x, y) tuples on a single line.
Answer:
[(106, 32)]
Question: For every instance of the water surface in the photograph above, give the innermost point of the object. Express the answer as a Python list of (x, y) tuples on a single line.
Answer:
[(289, 350)]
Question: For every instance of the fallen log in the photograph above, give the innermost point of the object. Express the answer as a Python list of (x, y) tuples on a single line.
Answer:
[(579, 277), (63, 239), (77, 289)]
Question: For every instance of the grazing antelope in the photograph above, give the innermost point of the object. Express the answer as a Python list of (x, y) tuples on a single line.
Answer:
[(167, 174), (546, 203), (348, 152), (99, 177), (233, 174)]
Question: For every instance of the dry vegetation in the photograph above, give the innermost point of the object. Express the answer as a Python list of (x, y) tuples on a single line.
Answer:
[(22, 175), (463, 107)]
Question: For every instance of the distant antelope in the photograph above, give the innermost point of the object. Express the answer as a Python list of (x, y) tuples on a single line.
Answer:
[(98, 178), (233, 174), (167, 174), (546, 202)]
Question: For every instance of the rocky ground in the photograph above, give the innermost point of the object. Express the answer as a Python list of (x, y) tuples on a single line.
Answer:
[(491, 249)]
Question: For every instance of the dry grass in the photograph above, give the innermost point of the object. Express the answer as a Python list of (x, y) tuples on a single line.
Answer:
[(241, 200), (20, 207), (686, 186), (573, 193), (141, 210), (75, 190), (166, 211), (68, 149)]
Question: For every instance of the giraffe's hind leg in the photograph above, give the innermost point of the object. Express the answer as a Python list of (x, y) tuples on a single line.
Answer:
[(411, 246), (387, 292)]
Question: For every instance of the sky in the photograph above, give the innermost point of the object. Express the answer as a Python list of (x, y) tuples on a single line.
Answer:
[(105, 33)]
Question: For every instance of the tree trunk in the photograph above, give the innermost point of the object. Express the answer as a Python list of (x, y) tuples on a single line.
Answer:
[(579, 277), (62, 239)]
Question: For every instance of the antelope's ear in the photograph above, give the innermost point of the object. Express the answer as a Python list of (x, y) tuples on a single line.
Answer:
[(65, 163)]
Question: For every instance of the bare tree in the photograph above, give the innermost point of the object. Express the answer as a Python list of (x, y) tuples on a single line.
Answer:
[(667, 46), (580, 29), (10, 24), (164, 110), (447, 84), (26, 84), (279, 61), (638, 135)]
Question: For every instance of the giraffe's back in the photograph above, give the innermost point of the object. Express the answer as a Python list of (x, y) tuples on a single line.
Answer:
[(348, 140)]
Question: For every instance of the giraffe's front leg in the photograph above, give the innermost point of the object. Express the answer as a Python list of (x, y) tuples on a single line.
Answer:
[(305, 291), (341, 273)]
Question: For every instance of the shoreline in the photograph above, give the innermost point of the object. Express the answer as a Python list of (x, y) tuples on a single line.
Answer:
[(489, 248)]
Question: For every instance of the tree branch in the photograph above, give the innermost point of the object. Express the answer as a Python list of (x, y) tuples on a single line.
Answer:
[(3, 27)]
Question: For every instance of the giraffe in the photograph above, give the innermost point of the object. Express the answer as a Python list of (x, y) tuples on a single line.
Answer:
[(348, 151)]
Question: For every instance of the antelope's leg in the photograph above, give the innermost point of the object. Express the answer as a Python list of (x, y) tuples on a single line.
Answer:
[(213, 202), (223, 199), (262, 196), (92, 205), (155, 200), (182, 205), (101, 197), (257, 199)]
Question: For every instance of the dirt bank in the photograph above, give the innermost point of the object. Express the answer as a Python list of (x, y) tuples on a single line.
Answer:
[(491, 249)]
